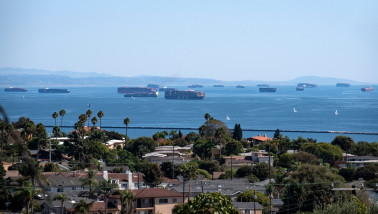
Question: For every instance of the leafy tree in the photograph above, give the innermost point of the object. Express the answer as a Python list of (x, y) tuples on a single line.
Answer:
[(27, 126), (23, 198), (349, 206), (209, 165), (368, 172), (140, 146), (277, 134), (261, 170), (305, 157), (219, 137), (249, 196), (106, 188), (54, 116), (4, 191), (363, 148), (51, 167), (126, 121), (244, 171), (208, 203), (189, 171), (152, 174), (237, 134), (100, 114), (286, 160), (83, 207), (168, 168), (90, 181), (83, 118), (94, 121), (160, 135), (233, 148), (62, 113), (191, 137), (113, 135), (211, 126), (127, 198), (299, 143), (89, 114), (348, 173), (62, 198), (96, 149), (329, 153), (203, 148), (345, 142), (309, 185), (207, 116), (204, 173)]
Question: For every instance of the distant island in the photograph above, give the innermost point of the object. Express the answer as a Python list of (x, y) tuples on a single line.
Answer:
[(20, 77)]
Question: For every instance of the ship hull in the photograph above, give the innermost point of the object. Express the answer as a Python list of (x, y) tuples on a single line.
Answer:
[(53, 90), (15, 90), (267, 89), (184, 95)]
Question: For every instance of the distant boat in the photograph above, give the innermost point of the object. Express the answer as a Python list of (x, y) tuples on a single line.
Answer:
[(294, 110), (153, 86), (336, 113), (89, 105), (342, 84), (11, 89), (227, 118), (307, 85), (267, 89), (218, 86), (299, 88), (240, 86), (367, 89), (53, 90), (195, 86)]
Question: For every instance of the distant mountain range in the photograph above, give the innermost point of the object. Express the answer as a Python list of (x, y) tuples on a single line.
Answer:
[(19, 77)]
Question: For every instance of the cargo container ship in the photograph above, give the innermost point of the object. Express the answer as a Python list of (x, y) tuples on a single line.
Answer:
[(184, 95), (266, 89), (195, 86), (218, 86), (367, 89), (240, 86), (53, 90), (138, 92), (307, 85), (11, 89), (342, 85), (153, 86)]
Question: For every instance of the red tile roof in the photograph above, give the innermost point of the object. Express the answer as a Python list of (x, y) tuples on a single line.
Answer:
[(97, 206), (171, 181), (261, 138)]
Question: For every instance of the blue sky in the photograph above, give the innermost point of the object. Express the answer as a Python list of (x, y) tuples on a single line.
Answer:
[(225, 40)]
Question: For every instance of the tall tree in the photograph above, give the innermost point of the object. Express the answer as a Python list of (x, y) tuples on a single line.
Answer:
[(83, 118), (237, 134), (106, 188), (94, 121), (62, 198), (127, 198), (346, 143), (62, 113), (126, 121), (189, 171), (220, 135), (55, 115), (100, 114), (207, 116), (90, 181), (152, 174), (83, 207), (207, 203), (89, 114)]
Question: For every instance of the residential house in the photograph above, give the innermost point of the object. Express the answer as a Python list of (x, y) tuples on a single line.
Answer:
[(113, 144), (259, 139), (152, 200), (248, 207), (126, 180), (97, 208)]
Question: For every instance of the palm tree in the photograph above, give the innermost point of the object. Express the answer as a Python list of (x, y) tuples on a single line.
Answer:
[(94, 121), (55, 115), (88, 113), (106, 188), (30, 170), (62, 113), (90, 181), (127, 198), (100, 114), (220, 135), (83, 207), (62, 198), (126, 121), (189, 171), (207, 116)]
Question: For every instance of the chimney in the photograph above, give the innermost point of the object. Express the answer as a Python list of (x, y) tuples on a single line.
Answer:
[(105, 175), (130, 179)]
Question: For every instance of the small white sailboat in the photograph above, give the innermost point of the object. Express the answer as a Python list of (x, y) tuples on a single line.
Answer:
[(336, 113), (294, 110), (227, 118)]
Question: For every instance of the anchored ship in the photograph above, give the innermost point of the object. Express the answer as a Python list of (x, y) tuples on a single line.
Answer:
[(138, 92), (184, 95), (195, 86), (266, 89), (307, 85), (367, 89), (11, 89), (53, 90), (153, 86), (342, 84), (218, 86)]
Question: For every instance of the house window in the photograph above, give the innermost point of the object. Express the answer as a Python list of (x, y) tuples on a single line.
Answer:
[(174, 200), (163, 200), (60, 189), (247, 211), (124, 186)]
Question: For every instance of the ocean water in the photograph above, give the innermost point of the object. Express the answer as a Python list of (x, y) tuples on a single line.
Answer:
[(357, 110)]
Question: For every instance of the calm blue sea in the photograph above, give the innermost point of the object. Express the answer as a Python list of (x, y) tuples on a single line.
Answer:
[(357, 110)]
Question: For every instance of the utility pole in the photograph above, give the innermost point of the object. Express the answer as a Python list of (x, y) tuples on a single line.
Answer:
[(173, 161), (231, 168), (270, 180), (254, 202)]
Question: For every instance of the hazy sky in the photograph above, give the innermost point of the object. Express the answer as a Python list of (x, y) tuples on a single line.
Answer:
[(225, 40)]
